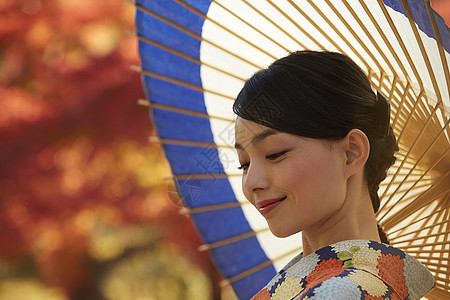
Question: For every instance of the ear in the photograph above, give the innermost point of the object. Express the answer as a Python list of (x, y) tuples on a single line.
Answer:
[(357, 149)]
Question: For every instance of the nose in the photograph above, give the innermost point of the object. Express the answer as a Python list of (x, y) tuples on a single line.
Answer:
[(256, 179)]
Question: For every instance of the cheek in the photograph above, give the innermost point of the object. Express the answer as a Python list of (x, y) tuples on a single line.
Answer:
[(316, 179)]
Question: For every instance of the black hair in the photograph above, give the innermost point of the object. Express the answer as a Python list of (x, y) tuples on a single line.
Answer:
[(322, 95)]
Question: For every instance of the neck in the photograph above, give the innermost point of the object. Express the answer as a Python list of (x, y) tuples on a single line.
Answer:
[(355, 220)]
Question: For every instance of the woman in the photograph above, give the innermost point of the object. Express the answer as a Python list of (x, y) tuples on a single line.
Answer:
[(314, 143)]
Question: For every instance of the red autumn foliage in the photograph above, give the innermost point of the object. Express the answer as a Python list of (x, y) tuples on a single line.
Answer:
[(74, 149)]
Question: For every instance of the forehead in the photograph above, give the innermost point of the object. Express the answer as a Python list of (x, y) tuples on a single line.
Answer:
[(245, 127), (248, 132)]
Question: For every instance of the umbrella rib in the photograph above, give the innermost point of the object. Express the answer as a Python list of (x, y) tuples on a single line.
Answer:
[(202, 15), (437, 34), (297, 25), (192, 34), (155, 139), (393, 87), (251, 26), (402, 44), (374, 43), (421, 219), (185, 56), (386, 41), (409, 205), (420, 238), (422, 49), (320, 12), (231, 240), (195, 210), (349, 28), (145, 102), (179, 82), (425, 251), (402, 101), (414, 184), (423, 245), (411, 198), (416, 104), (202, 176), (437, 265), (256, 268), (409, 151), (275, 24)]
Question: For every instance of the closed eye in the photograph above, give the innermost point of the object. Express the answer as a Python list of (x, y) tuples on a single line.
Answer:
[(244, 167), (276, 155)]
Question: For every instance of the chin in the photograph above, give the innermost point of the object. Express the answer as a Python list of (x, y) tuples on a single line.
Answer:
[(282, 231)]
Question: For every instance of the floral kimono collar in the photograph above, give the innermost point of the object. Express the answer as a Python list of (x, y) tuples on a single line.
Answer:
[(354, 269)]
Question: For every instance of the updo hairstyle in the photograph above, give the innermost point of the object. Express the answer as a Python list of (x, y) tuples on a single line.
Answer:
[(322, 95)]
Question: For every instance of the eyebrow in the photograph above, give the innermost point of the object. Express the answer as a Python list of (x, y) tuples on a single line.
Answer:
[(257, 138)]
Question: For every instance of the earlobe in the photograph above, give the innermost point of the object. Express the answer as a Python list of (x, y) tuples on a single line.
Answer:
[(357, 150)]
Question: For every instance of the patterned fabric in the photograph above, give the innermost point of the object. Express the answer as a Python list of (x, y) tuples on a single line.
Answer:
[(356, 269)]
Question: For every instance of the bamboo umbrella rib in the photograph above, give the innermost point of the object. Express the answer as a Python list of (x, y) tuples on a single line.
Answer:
[(416, 103), (429, 200), (402, 101), (418, 252), (187, 143), (335, 30), (257, 268), (338, 32), (145, 102), (179, 82), (203, 176), (423, 245), (202, 15), (275, 24), (297, 25), (374, 43), (403, 190), (187, 57), (444, 286), (190, 211), (385, 39), (251, 26), (409, 151), (433, 264), (401, 43), (421, 219), (392, 89), (437, 34), (412, 197), (382, 76), (349, 28), (233, 239), (424, 173), (420, 238), (422, 49), (194, 35)]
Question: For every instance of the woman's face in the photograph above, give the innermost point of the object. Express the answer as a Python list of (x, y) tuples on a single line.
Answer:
[(296, 183)]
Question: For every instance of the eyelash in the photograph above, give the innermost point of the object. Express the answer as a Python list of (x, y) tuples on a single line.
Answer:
[(276, 155), (270, 157)]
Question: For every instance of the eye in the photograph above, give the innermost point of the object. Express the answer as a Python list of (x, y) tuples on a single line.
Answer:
[(244, 167), (276, 155)]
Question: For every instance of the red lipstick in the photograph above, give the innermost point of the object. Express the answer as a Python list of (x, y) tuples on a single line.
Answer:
[(265, 206)]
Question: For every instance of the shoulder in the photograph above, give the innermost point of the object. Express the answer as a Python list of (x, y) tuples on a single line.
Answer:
[(352, 285), (337, 288)]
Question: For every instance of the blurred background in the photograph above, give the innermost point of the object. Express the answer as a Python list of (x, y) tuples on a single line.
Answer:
[(85, 209)]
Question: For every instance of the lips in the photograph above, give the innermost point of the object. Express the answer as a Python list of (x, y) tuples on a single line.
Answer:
[(265, 206)]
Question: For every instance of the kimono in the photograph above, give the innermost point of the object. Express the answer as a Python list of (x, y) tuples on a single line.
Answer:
[(354, 269)]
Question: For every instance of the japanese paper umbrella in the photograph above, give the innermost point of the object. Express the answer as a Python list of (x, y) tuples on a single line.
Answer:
[(195, 56)]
